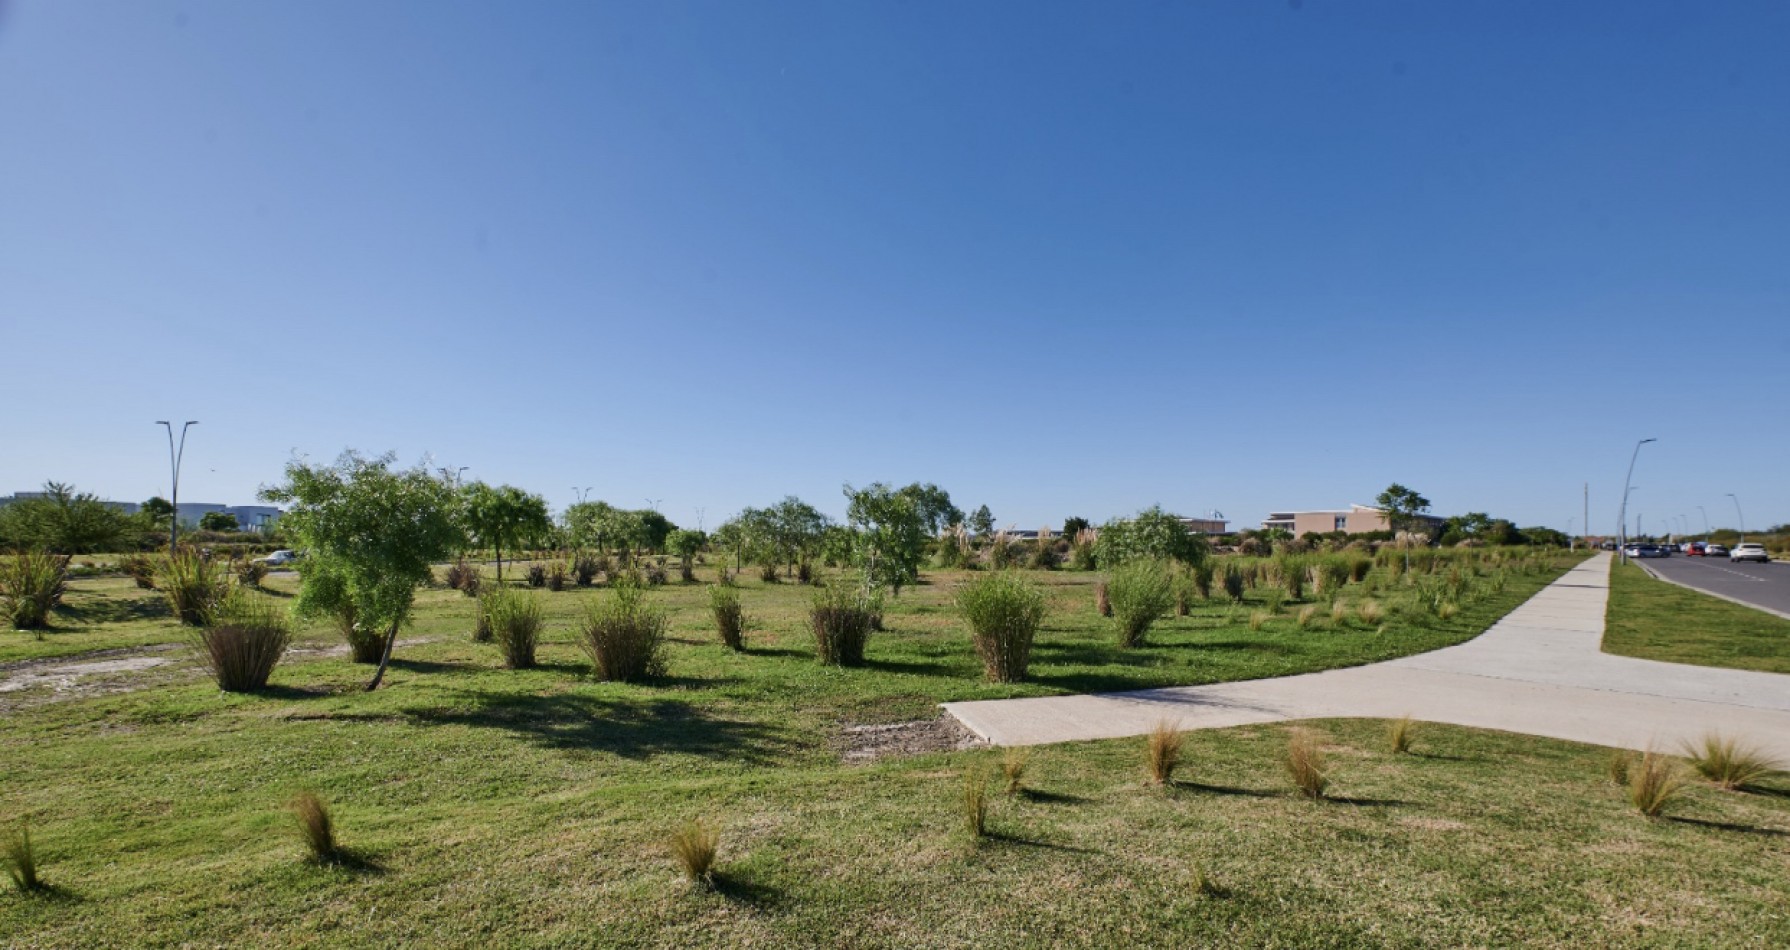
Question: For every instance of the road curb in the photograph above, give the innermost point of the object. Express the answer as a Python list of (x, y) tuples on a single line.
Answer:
[(1707, 593)]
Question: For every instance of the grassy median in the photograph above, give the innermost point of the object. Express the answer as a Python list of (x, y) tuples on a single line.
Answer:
[(1656, 620)]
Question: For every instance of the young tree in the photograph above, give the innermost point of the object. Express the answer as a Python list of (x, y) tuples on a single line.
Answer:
[(686, 544), (1073, 526), (217, 521), (372, 534), (982, 522), (502, 517), (65, 521), (935, 506), (1403, 508), (893, 534), (157, 510), (1152, 534)]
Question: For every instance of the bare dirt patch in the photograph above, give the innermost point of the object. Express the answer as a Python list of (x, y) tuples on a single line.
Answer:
[(861, 743)]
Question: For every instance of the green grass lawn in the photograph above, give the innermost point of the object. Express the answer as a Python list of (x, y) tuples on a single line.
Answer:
[(1656, 620), (492, 806)]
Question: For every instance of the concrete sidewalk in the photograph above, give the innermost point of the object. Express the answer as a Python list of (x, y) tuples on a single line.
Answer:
[(1539, 670)]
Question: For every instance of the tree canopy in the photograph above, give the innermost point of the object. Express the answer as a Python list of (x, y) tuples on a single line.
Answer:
[(892, 531), (501, 518), (372, 533), (1151, 534), (65, 521)]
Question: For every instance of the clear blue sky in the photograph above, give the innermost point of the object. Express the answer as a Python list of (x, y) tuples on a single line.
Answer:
[(1058, 258)]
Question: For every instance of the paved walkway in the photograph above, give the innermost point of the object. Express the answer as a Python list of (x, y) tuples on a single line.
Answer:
[(1539, 670)]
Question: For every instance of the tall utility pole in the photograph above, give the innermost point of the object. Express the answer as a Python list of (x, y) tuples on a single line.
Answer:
[(1737, 514), (174, 458), (1622, 516), (1587, 523)]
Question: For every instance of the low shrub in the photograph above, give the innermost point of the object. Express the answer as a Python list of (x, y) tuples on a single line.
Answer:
[(584, 570), (768, 574), (1103, 601), (1140, 593), (1308, 615), (694, 847), (841, 618), (140, 568), (1730, 763), (536, 575), (194, 586), (1292, 576), (316, 828), (1333, 575), (250, 572), (805, 573), (1258, 619), (557, 576), (243, 641), (1305, 764), (1654, 782), (655, 574), (975, 802), (730, 617), (1339, 612), (1400, 733), (1370, 612), (31, 585), (686, 573), (1164, 751), (463, 577), (1233, 583), (1358, 568), (20, 857), (1273, 597), (1202, 578), (1003, 610), (625, 636), (514, 621), (364, 645)]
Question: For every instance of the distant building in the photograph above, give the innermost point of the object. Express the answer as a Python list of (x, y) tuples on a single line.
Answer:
[(1206, 525), (248, 517), (1356, 519), (254, 517)]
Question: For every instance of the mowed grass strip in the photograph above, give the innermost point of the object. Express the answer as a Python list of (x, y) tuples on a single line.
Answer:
[(1656, 620)]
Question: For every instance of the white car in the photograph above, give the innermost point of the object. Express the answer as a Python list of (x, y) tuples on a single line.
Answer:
[(1715, 550), (1749, 552), (277, 559)]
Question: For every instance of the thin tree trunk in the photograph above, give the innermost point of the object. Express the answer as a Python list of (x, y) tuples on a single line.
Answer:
[(499, 547), (385, 658)]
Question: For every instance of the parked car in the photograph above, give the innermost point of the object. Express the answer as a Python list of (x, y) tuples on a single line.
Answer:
[(1749, 552), (1649, 550), (278, 558), (1714, 550), (1694, 549)]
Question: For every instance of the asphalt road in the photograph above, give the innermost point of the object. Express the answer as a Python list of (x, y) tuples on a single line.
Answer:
[(1766, 586)]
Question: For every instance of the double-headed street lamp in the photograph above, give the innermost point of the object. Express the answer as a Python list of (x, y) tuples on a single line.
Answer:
[(1742, 517), (174, 458), (1705, 522), (1622, 517)]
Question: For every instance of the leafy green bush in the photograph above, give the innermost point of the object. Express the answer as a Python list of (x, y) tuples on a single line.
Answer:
[(1202, 578), (556, 577), (1233, 583), (625, 636), (244, 638), (536, 575), (250, 572), (730, 617), (841, 618), (584, 569), (194, 586), (1140, 592), (31, 585), (1003, 610), (514, 620)]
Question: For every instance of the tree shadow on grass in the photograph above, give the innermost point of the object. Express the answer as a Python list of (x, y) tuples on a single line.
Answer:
[(1012, 840), (295, 693), (911, 668), (1363, 802), (109, 610), (741, 889), (351, 861), (1205, 789), (779, 651), (433, 666), (1042, 797), (630, 728), (1730, 826)]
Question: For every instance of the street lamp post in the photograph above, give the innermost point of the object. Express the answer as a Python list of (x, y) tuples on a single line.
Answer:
[(1622, 517), (174, 457), (1737, 514), (458, 472), (1705, 522)]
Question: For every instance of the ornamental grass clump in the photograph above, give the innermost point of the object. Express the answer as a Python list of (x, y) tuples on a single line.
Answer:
[(694, 847), (140, 569), (556, 577), (20, 857), (975, 802), (1233, 583), (1013, 768), (1653, 783), (1729, 763), (584, 570), (514, 620), (1308, 615), (625, 636), (194, 586), (1103, 601), (316, 828), (250, 572), (1163, 747), (1400, 733), (243, 641), (1370, 612), (31, 585), (1305, 764), (730, 617), (1003, 610), (842, 617), (536, 575), (1203, 573), (1141, 592), (463, 577)]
